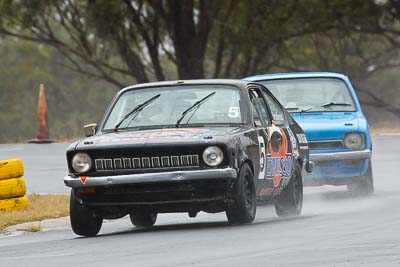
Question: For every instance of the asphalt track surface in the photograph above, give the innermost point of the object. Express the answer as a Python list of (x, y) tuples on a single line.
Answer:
[(334, 229)]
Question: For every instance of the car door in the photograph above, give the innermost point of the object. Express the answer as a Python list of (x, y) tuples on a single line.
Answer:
[(262, 121), (275, 160), (283, 144)]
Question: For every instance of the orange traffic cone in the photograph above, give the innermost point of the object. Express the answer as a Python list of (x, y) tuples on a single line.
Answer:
[(42, 133)]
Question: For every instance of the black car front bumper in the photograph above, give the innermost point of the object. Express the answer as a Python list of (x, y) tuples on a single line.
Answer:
[(189, 175), (207, 190)]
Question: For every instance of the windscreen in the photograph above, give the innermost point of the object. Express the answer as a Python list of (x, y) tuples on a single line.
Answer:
[(204, 104), (311, 94)]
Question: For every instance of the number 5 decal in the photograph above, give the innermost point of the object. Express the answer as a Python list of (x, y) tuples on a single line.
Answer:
[(261, 145), (233, 112)]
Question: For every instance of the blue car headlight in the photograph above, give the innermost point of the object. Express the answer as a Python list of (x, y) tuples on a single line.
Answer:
[(354, 141)]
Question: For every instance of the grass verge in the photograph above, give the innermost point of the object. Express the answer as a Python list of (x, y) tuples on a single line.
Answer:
[(40, 207)]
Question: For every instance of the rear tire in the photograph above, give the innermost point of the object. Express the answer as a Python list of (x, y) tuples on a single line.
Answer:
[(243, 210), (365, 185), (290, 200), (84, 221), (143, 218)]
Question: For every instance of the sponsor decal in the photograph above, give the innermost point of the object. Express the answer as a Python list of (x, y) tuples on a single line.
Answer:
[(269, 191), (285, 181), (278, 116), (279, 162), (302, 138), (266, 191), (279, 166), (295, 150), (83, 179), (165, 133), (261, 145), (234, 112)]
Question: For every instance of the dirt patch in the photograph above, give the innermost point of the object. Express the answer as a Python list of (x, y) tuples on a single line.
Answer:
[(383, 131)]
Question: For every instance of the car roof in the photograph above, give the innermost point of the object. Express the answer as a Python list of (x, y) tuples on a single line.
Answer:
[(293, 75), (236, 82)]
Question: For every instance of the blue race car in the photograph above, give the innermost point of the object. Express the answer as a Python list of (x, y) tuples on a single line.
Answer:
[(327, 108)]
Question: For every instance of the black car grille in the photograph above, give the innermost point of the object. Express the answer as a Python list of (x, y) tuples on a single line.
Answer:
[(325, 144), (107, 164)]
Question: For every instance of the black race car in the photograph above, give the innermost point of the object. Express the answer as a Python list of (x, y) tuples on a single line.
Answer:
[(187, 146)]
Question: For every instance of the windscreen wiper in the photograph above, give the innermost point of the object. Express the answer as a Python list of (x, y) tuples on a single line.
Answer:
[(326, 105), (136, 110), (192, 107)]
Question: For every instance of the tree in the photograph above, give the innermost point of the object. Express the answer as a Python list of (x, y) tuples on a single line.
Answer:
[(118, 37), (128, 41), (123, 40)]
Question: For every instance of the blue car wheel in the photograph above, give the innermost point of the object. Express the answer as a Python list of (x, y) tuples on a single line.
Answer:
[(365, 185)]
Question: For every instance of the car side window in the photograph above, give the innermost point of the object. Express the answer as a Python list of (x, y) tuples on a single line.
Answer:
[(276, 111), (260, 112)]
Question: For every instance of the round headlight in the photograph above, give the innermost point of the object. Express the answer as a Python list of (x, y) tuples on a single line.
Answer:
[(213, 156), (354, 141), (81, 162)]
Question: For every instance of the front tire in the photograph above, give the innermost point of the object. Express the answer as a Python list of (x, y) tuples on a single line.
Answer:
[(290, 200), (84, 221), (365, 185), (243, 210), (143, 218)]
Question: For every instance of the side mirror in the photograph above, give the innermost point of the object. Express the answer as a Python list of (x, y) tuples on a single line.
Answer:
[(90, 129)]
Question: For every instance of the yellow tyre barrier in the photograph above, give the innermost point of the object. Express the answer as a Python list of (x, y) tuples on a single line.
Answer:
[(13, 203), (11, 168), (11, 188)]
